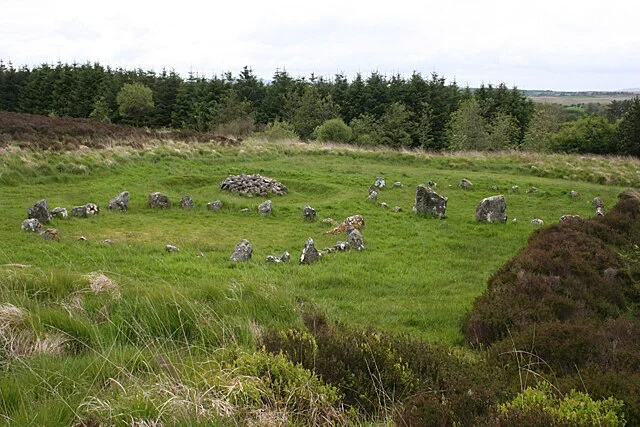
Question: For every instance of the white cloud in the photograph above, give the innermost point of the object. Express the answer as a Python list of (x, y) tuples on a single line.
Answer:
[(547, 44)]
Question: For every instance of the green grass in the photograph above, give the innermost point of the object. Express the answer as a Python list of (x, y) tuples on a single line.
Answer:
[(417, 275)]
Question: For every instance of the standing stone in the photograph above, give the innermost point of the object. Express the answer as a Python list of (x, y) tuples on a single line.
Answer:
[(265, 207), (384, 205), (573, 194), (40, 211), (379, 182), (537, 221), (285, 257), (397, 184), (242, 251), (171, 248), (216, 205), (309, 252), (373, 196), (355, 240), (465, 184), (31, 224), (92, 209), (308, 213), (492, 209), (597, 203), (159, 201), (187, 203), (60, 213), (120, 202), (79, 211), (429, 202), (599, 211), (341, 246)]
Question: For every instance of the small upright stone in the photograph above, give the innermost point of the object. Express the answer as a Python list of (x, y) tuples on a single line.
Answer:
[(171, 248), (119, 203), (465, 184), (428, 202), (308, 213), (216, 205), (92, 209), (60, 213), (537, 221), (40, 211), (384, 205), (159, 201), (79, 211), (373, 196), (31, 224), (573, 194), (492, 209), (187, 203), (355, 240), (599, 211), (309, 252), (242, 251), (597, 203), (379, 182), (265, 207)]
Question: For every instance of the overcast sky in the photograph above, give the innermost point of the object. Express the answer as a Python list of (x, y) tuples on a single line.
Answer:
[(538, 44)]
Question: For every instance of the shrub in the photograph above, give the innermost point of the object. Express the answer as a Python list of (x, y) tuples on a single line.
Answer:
[(279, 131), (334, 130)]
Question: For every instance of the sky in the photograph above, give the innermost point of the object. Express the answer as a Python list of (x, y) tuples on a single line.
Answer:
[(540, 44)]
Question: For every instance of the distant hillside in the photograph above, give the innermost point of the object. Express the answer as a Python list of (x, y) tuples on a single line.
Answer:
[(584, 97)]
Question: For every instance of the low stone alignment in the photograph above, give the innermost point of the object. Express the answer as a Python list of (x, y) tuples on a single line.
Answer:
[(428, 202), (492, 209), (253, 184)]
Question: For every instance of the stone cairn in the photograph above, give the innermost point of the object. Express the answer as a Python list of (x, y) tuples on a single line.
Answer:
[(428, 202), (492, 209), (253, 184)]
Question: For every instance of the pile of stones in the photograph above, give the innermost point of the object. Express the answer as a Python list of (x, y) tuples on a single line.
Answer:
[(253, 184)]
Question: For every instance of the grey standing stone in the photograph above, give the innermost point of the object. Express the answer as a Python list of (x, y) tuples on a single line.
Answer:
[(599, 211), (373, 196), (537, 221), (384, 205), (308, 213), (31, 224), (119, 203), (465, 184), (92, 209), (265, 207), (159, 201), (492, 209), (285, 257), (171, 248), (60, 213), (428, 202), (187, 203), (216, 205), (597, 203), (341, 246), (355, 240), (242, 251), (309, 252), (79, 211), (379, 182), (40, 211)]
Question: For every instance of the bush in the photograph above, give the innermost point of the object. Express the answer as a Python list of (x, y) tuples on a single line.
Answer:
[(279, 131), (334, 130)]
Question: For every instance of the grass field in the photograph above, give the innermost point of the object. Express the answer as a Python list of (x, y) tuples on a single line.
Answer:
[(417, 275), (583, 99)]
